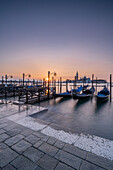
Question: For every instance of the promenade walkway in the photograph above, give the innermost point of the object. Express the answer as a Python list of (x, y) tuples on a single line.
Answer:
[(26, 149)]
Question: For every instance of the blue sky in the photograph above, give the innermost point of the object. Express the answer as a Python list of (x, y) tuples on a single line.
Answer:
[(59, 35)]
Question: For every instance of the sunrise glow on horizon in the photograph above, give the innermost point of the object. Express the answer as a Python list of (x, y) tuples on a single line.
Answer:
[(62, 36)]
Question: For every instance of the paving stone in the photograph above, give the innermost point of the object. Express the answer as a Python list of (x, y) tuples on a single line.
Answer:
[(37, 144), (47, 162), (59, 144), (62, 166), (89, 166), (75, 151), (100, 161), (3, 120), (7, 156), (45, 138), (2, 131), (22, 163), (49, 149), (21, 146), (13, 132), (3, 146), (33, 154), (3, 137), (3, 125), (51, 140), (8, 167), (32, 139), (68, 159), (38, 168), (10, 123), (9, 127), (11, 141), (27, 132), (39, 134)]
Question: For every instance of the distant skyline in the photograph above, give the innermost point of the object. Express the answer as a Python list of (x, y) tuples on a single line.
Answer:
[(37, 36)]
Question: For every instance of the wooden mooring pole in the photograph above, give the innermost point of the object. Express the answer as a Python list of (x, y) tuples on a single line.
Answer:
[(48, 82), (110, 87), (43, 82), (52, 81), (66, 85), (2, 79), (23, 79), (55, 85), (92, 79), (60, 84), (6, 79), (96, 84)]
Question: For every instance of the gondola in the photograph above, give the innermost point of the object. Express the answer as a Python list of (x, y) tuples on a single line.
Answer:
[(65, 94), (88, 93), (75, 92), (103, 95)]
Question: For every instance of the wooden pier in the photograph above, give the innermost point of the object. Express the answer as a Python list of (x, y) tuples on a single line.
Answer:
[(35, 94)]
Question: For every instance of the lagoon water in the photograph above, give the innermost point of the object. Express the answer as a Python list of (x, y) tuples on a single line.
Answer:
[(80, 116)]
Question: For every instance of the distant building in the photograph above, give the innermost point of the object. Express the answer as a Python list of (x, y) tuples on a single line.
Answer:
[(99, 81), (85, 80), (77, 75)]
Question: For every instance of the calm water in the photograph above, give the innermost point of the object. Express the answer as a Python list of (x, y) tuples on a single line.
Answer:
[(83, 116), (79, 116)]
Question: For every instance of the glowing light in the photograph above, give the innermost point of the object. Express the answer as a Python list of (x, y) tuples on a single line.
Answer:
[(46, 79)]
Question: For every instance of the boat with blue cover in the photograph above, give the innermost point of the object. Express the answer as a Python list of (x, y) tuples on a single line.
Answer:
[(86, 94), (65, 94), (75, 92), (103, 94)]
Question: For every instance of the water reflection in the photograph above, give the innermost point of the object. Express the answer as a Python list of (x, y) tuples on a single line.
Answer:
[(100, 105), (58, 100), (80, 103)]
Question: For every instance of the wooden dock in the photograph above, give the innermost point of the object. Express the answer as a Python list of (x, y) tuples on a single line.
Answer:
[(35, 94)]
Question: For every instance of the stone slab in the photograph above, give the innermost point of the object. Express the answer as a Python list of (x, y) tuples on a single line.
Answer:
[(69, 159), (32, 139), (21, 146), (11, 141), (62, 166), (75, 151), (33, 154), (100, 161), (59, 144), (38, 144), (49, 149), (7, 156), (47, 162), (88, 166), (22, 163)]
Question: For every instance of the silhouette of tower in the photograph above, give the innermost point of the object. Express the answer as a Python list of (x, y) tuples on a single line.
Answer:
[(77, 75)]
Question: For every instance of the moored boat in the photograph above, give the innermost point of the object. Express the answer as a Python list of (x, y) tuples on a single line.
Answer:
[(86, 93), (103, 95), (65, 94), (74, 92)]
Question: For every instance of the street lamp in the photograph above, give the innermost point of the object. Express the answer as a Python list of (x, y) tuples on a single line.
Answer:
[(53, 73), (6, 77), (24, 77)]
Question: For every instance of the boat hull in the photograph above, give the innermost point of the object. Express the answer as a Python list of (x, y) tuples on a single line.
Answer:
[(62, 95), (82, 96), (102, 98)]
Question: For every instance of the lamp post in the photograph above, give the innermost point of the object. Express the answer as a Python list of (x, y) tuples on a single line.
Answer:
[(24, 77), (6, 77), (53, 73), (2, 79)]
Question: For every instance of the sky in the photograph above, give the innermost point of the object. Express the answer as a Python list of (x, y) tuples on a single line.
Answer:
[(65, 36)]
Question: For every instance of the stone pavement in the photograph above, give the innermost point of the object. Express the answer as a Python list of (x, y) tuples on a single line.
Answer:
[(25, 149)]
